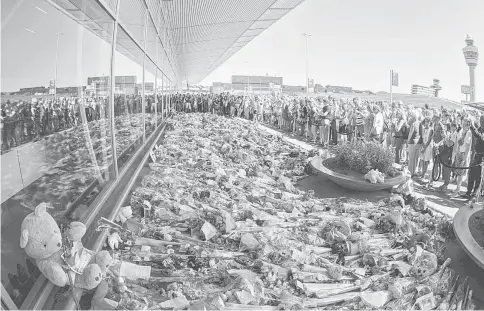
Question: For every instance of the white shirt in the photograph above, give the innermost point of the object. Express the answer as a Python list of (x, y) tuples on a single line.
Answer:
[(378, 123), (467, 142)]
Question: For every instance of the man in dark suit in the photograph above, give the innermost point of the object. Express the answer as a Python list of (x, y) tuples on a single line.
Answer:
[(477, 153)]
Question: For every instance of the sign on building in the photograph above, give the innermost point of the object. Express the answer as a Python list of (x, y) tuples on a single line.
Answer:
[(465, 89)]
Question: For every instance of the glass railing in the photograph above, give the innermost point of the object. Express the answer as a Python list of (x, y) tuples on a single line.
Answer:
[(56, 113)]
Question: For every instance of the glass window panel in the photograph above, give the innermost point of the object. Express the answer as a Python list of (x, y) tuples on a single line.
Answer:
[(128, 71), (150, 71), (151, 40), (56, 145), (159, 94), (132, 15)]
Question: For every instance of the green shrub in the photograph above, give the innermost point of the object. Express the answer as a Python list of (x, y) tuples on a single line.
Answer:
[(362, 156)]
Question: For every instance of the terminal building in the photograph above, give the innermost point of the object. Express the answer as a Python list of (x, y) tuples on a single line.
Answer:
[(256, 84), (85, 173), (432, 90)]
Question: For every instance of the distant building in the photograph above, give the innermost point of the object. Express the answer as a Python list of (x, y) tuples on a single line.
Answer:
[(432, 90), (73, 90), (422, 90), (149, 87), (256, 84), (100, 86), (33, 90), (126, 85), (339, 89)]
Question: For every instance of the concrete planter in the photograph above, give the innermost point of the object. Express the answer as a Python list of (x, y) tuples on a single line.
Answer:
[(464, 235), (351, 182)]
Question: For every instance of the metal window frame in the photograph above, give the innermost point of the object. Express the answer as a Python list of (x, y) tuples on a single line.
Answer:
[(42, 288), (7, 300)]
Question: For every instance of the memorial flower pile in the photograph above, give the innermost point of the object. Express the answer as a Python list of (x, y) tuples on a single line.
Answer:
[(218, 224)]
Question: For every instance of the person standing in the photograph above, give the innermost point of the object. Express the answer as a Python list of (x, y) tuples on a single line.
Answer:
[(359, 118), (314, 121), (474, 178), (398, 125), (464, 143), (445, 156), (377, 132), (427, 146), (413, 142), (325, 125), (334, 124)]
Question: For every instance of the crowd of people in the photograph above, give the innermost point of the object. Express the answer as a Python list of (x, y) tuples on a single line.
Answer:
[(419, 135), (24, 121)]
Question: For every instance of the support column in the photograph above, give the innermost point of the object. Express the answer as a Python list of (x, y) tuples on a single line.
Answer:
[(472, 77)]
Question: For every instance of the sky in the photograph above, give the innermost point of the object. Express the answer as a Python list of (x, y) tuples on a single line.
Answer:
[(357, 42), (354, 43)]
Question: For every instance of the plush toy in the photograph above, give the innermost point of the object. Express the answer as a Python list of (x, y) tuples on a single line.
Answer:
[(74, 233), (125, 213), (98, 302), (374, 176), (113, 240), (90, 278), (104, 261), (42, 240)]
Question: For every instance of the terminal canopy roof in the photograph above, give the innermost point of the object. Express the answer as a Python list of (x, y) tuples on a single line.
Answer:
[(187, 39)]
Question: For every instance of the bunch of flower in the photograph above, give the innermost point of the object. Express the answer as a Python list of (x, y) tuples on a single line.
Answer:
[(363, 156)]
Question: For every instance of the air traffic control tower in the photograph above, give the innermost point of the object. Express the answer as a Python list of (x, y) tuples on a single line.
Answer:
[(471, 54)]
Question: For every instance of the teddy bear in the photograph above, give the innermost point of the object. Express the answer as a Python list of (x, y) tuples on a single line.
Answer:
[(105, 261), (41, 239), (91, 277)]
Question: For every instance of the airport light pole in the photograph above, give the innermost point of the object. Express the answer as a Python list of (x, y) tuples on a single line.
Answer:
[(58, 34), (307, 66)]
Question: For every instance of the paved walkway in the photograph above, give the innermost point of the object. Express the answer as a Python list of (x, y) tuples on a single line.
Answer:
[(324, 187)]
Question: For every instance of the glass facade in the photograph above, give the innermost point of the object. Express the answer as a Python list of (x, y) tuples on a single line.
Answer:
[(84, 84)]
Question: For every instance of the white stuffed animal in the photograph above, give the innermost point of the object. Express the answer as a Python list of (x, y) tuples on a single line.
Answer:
[(113, 240), (125, 213), (374, 176)]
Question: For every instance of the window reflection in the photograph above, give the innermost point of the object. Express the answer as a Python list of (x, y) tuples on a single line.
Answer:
[(129, 72), (159, 97), (55, 113), (149, 97), (56, 139)]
